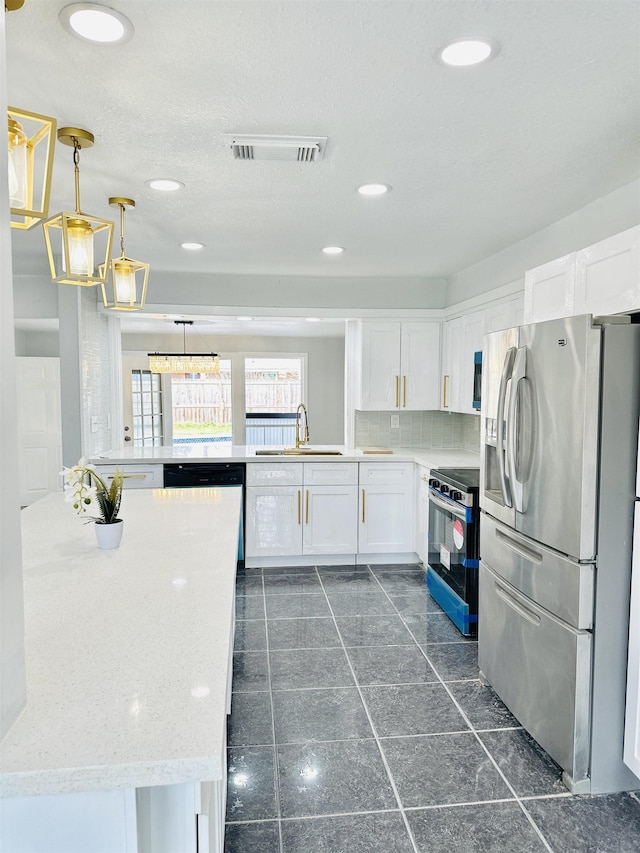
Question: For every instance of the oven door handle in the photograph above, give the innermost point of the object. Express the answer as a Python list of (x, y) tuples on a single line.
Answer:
[(448, 505)]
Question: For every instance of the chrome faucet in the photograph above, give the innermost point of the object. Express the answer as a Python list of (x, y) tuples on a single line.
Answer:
[(305, 434)]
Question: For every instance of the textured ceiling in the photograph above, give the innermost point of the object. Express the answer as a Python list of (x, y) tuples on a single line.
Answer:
[(477, 158)]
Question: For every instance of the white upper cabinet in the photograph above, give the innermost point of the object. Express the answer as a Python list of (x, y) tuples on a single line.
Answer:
[(601, 279), (549, 290), (505, 314), (608, 275), (398, 365), (463, 337)]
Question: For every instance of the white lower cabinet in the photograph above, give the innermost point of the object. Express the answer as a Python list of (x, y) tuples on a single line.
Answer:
[(386, 508), (307, 518), (329, 508), (422, 513)]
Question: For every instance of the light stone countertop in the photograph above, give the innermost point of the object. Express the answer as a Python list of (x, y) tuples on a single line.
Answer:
[(223, 452), (127, 651)]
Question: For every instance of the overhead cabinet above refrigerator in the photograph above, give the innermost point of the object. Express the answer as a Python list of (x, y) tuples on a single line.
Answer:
[(560, 406)]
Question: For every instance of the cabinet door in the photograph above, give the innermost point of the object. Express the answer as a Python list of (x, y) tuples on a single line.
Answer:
[(632, 713), (505, 314), (274, 521), (452, 365), (419, 366), (330, 520), (472, 335), (380, 387), (386, 519), (549, 290), (608, 275)]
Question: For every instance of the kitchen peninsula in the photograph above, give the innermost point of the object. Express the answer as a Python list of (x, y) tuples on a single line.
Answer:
[(122, 742)]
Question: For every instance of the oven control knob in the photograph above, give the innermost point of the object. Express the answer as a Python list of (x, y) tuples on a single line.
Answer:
[(456, 496), (433, 482), (444, 488)]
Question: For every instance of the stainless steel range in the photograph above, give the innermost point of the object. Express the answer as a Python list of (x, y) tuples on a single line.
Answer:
[(452, 571)]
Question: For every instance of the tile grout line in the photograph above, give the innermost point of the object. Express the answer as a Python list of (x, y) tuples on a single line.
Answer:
[(373, 728), (472, 728)]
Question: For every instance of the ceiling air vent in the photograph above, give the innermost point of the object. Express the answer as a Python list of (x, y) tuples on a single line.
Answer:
[(301, 149)]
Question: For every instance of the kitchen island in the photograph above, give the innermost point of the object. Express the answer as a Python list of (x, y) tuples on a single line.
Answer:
[(121, 746)]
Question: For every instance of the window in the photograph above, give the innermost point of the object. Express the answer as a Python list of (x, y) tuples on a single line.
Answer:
[(201, 405), (273, 390)]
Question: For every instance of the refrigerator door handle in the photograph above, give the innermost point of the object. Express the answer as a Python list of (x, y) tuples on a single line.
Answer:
[(507, 369), (519, 373)]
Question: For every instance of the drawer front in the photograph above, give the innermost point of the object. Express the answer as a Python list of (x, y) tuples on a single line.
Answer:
[(135, 476), (557, 584), (331, 473), (541, 669), (385, 473), (274, 474)]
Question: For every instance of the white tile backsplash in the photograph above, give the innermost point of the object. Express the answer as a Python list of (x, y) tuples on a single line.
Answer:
[(95, 360), (447, 430)]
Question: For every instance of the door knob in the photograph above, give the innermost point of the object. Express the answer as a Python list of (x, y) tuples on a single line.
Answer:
[(127, 438)]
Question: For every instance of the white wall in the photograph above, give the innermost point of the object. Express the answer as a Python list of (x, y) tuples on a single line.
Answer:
[(607, 216), (12, 663), (325, 395)]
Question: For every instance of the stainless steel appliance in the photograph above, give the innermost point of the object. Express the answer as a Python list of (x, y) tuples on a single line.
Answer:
[(560, 403), (452, 570)]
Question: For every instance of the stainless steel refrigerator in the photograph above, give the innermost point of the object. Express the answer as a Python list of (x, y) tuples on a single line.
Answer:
[(560, 407)]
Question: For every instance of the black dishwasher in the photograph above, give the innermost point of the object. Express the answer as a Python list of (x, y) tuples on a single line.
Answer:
[(214, 475)]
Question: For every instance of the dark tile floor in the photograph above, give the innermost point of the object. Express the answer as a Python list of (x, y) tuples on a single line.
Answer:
[(359, 725)]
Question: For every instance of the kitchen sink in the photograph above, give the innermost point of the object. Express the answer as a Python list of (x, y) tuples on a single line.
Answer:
[(302, 451)]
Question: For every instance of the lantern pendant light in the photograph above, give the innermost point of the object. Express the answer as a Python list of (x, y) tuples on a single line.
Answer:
[(30, 161), (75, 239), (126, 285)]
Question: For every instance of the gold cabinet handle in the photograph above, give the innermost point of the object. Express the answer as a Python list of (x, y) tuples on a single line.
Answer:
[(363, 506), (404, 392), (445, 383), (306, 509), (397, 392), (299, 501)]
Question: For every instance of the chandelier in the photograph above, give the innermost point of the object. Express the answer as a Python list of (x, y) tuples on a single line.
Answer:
[(30, 161), (187, 362), (74, 239), (126, 285)]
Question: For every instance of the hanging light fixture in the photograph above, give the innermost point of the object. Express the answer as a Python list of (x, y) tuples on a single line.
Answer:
[(30, 158), (76, 239), (188, 362), (126, 285)]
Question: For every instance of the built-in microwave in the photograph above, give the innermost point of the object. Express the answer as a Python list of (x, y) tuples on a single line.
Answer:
[(477, 379)]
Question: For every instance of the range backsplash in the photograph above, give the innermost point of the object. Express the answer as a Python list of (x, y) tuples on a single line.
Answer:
[(447, 430)]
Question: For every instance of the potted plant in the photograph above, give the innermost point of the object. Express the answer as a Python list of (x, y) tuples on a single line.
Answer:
[(88, 492)]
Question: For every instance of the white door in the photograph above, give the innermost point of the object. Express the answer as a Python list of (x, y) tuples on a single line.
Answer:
[(380, 355), (422, 513), (39, 427), (632, 717), (452, 365), (420, 366), (146, 405), (330, 520), (274, 521)]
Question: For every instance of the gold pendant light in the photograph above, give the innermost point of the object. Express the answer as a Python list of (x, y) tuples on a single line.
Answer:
[(30, 158), (74, 240), (188, 362), (126, 285)]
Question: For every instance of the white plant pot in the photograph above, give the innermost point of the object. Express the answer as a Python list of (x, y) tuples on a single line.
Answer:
[(109, 536)]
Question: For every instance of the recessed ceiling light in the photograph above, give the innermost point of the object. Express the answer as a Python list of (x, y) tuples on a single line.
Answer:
[(244, 319), (312, 319), (333, 250), (95, 23), (192, 247), (165, 185), (468, 51), (373, 189)]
